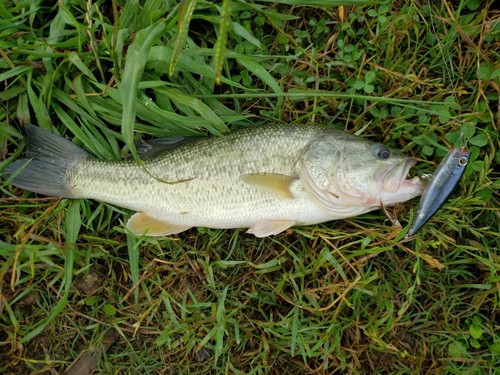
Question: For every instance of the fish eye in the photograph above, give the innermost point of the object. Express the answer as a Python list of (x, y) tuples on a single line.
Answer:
[(462, 161), (381, 152)]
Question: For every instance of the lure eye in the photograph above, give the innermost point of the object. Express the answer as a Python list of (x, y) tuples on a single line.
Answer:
[(381, 152), (462, 161)]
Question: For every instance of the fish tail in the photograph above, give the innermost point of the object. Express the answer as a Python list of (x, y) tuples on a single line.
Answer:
[(50, 160)]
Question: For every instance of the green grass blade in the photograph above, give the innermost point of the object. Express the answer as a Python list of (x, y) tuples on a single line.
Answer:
[(186, 9), (220, 317), (37, 104), (182, 100), (325, 3), (75, 59), (17, 71), (253, 66), (133, 258), (134, 67), (73, 224), (220, 44)]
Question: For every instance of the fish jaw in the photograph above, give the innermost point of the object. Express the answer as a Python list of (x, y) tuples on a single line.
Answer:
[(397, 187)]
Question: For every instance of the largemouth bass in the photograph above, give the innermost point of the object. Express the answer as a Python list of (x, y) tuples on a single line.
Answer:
[(265, 178)]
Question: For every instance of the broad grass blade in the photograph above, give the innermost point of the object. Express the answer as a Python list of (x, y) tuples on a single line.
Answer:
[(134, 67)]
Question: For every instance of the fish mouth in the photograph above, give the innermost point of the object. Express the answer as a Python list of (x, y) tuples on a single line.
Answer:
[(398, 186)]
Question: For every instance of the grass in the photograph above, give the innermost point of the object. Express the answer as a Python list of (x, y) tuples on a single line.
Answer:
[(342, 297)]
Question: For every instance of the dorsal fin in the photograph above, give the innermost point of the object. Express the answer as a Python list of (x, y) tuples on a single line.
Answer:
[(148, 149)]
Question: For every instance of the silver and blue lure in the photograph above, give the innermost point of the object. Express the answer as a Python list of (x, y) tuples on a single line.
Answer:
[(442, 183)]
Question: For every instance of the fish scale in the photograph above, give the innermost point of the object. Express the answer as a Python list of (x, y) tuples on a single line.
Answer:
[(266, 178), (198, 201)]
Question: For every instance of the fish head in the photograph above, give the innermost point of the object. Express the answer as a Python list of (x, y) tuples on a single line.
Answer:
[(353, 175), (393, 183)]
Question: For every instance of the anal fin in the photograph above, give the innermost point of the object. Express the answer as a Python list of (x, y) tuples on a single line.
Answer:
[(141, 223), (264, 228)]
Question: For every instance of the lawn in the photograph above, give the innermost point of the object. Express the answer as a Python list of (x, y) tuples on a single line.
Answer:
[(78, 292)]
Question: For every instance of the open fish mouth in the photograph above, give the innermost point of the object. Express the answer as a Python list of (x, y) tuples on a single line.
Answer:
[(405, 179), (398, 186)]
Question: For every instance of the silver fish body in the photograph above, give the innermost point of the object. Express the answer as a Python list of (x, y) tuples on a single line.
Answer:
[(443, 181), (266, 178)]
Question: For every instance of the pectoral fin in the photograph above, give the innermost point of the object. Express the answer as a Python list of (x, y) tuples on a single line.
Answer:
[(142, 223), (273, 182), (264, 228)]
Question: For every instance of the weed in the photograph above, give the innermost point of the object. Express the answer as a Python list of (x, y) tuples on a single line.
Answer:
[(342, 297)]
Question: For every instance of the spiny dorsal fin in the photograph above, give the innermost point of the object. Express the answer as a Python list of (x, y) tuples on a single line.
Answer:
[(273, 182), (141, 223)]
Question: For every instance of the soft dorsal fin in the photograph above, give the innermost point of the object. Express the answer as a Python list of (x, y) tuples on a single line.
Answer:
[(148, 149), (141, 223), (273, 182)]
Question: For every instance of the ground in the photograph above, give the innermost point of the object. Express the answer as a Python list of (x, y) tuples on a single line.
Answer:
[(78, 293)]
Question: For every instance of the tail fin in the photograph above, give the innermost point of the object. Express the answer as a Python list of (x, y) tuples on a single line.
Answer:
[(50, 159)]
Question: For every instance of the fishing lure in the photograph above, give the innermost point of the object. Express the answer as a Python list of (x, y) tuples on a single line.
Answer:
[(442, 183)]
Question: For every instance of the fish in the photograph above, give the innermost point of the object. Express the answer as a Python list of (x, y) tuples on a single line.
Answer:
[(442, 183), (266, 178)]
